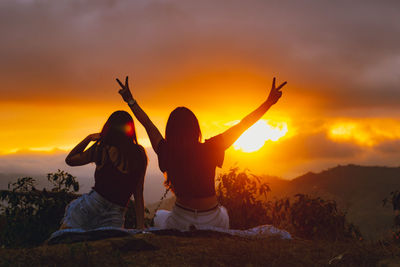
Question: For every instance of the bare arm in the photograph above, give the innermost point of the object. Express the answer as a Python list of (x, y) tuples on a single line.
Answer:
[(78, 156), (152, 131), (233, 133), (139, 205)]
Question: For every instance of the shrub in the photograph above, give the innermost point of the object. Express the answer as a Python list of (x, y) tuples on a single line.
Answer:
[(245, 197), (30, 215), (63, 182), (316, 218), (241, 194)]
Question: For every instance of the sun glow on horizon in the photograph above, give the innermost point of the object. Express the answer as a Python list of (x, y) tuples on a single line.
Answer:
[(365, 132), (256, 136)]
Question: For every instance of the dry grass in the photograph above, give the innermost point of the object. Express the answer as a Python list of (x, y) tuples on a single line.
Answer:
[(200, 250)]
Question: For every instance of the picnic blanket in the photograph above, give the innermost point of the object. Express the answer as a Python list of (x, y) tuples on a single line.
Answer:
[(78, 235)]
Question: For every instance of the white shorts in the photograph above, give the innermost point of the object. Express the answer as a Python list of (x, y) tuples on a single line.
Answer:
[(91, 211), (182, 219)]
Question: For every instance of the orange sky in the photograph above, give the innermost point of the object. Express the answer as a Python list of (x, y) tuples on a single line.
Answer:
[(341, 105)]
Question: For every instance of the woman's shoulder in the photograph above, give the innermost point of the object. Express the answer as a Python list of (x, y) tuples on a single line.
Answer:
[(215, 141)]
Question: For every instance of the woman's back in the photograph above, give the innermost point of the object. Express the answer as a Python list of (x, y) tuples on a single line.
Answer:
[(191, 171)]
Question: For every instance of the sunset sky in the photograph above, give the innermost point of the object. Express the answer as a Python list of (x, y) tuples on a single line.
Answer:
[(59, 61)]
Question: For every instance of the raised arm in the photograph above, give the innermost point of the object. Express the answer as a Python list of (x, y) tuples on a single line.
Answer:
[(152, 131), (233, 133), (78, 156)]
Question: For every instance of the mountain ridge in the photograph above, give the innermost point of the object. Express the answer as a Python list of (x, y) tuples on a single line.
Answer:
[(358, 190)]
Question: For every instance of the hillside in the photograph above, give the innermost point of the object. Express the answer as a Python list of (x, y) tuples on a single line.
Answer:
[(359, 190)]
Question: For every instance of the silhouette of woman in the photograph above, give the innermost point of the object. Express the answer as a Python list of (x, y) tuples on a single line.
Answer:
[(120, 169), (189, 164)]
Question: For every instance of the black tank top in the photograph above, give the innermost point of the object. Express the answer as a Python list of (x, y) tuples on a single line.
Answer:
[(113, 185), (110, 182)]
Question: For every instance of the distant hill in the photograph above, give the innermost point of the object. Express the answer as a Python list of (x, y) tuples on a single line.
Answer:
[(359, 190)]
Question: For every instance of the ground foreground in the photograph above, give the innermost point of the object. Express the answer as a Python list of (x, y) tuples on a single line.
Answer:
[(203, 250)]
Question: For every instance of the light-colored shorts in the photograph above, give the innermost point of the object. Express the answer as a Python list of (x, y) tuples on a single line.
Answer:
[(91, 211), (182, 219)]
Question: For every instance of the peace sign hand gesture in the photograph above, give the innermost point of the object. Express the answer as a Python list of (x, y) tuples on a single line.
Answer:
[(275, 93), (124, 91)]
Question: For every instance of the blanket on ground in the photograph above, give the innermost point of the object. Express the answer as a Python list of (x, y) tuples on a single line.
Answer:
[(78, 235)]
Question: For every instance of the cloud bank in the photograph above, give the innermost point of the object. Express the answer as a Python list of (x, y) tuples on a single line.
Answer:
[(341, 54)]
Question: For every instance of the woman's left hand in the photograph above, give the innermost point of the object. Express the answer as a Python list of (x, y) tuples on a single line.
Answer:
[(275, 92), (124, 91)]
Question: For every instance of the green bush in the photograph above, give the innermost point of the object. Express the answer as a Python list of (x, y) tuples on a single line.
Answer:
[(29, 215), (241, 194), (245, 197), (316, 218)]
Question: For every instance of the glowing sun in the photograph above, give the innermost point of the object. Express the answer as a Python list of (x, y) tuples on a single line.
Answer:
[(255, 137)]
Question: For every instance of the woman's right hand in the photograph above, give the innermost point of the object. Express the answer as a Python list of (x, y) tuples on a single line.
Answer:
[(124, 91)]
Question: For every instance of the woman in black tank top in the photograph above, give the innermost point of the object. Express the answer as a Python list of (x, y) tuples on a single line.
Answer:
[(188, 163), (120, 169)]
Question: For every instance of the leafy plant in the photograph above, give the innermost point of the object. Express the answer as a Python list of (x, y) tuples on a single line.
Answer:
[(63, 182), (316, 218), (30, 215), (245, 197), (242, 193)]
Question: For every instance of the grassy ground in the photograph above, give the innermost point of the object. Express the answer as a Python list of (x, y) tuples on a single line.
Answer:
[(204, 250)]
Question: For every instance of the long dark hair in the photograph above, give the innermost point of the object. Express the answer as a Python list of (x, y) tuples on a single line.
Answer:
[(182, 136), (119, 131), (182, 130)]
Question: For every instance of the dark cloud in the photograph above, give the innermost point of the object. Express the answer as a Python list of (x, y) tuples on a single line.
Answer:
[(389, 147), (345, 54), (319, 146)]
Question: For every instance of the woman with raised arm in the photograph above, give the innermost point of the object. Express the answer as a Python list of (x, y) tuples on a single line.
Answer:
[(120, 169), (190, 164)]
